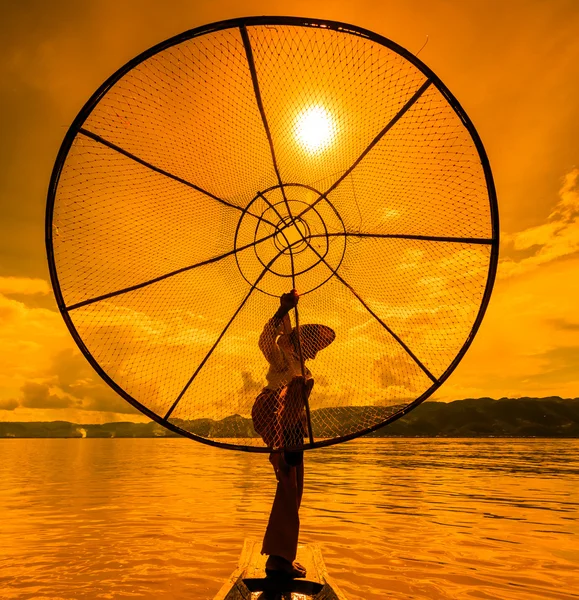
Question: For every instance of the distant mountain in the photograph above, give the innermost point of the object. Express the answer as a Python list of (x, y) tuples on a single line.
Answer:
[(472, 417), (485, 417)]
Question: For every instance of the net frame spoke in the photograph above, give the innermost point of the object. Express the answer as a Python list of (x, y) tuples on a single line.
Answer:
[(111, 145), (409, 103), (365, 305), (220, 337), (103, 141), (261, 108), (166, 275), (406, 236)]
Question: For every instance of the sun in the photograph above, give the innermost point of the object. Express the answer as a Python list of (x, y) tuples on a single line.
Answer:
[(315, 129)]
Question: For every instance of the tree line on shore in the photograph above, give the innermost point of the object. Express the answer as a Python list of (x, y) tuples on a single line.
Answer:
[(480, 417)]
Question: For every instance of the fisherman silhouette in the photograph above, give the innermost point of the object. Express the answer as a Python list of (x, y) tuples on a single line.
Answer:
[(279, 417)]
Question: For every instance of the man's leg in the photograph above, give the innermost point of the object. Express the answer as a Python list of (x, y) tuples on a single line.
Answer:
[(281, 535), (300, 481)]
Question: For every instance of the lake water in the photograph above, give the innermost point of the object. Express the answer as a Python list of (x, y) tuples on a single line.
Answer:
[(396, 518)]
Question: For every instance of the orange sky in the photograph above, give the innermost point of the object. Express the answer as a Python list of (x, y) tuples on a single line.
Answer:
[(514, 66)]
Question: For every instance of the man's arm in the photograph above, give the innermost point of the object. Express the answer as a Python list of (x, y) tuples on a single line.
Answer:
[(268, 345), (286, 324), (268, 337)]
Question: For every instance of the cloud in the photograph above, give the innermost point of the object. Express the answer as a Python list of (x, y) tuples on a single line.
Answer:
[(393, 373), (563, 324), (249, 383), (555, 239), (558, 365), (29, 338), (23, 286), (527, 342), (76, 378), (9, 404), (37, 395), (71, 383), (42, 370), (105, 399)]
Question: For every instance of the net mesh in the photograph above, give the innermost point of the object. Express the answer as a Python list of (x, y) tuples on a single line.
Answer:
[(237, 163)]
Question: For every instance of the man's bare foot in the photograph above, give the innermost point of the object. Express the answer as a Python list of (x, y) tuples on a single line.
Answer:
[(277, 565)]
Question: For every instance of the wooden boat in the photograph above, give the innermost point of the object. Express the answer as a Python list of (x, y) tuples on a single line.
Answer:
[(248, 581)]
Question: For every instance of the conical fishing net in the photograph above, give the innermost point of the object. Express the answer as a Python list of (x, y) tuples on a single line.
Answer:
[(237, 161)]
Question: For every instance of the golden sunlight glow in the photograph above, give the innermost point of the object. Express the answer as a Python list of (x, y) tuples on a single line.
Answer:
[(315, 129)]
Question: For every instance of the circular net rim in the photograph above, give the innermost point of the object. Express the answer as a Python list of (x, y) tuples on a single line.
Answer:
[(341, 27)]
